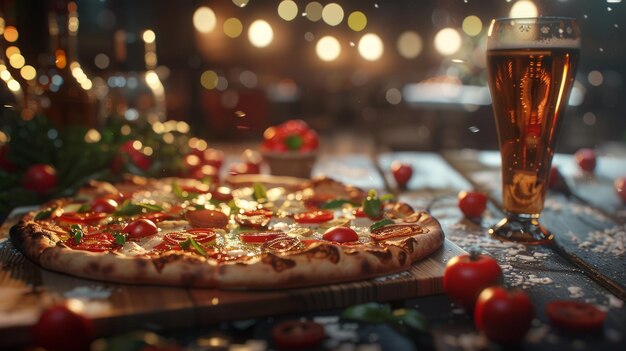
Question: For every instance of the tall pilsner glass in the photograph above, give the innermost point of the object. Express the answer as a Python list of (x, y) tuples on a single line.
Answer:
[(531, 67)]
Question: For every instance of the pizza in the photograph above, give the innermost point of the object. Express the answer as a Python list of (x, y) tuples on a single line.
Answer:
[(250, 232)]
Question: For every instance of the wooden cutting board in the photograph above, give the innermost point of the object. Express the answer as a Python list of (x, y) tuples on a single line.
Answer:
[(25, 289)]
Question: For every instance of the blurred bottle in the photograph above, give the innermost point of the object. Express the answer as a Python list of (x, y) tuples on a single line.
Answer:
[(135, 92), (68, 99)]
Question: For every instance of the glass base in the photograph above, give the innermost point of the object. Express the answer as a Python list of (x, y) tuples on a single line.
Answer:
[(522, 229)]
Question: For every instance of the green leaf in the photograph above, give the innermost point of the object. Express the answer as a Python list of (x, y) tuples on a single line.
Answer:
[(294, 142), (44, 214), (380, 224), (76, 231), (411, 319), (260, 192), (120, 239), (194, 244), (130, 209), (371, 312), (372, 206), (333, 204), (84, 208)]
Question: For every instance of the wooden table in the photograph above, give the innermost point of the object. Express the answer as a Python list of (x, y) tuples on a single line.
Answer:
[(587, 263)]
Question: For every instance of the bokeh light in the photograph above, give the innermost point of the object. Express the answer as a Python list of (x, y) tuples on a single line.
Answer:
[(371, 47), (240, 3), (204, 19), (447, 41), (357, 21), (10, 34), (17, 61), (149, 36), (472, 25), (313, 11), (287, 10), (393, 96), (209, 79), (332, 14), (595, 78), (101, 61), (328, 48), (28, 72), (233, 27), (523, 8), (12, 50), (409, 44), (260, 33)]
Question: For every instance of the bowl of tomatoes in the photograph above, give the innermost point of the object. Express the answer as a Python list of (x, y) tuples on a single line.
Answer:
[(290, 148)]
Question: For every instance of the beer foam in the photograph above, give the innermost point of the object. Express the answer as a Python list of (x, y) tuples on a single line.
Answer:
[(548, 43)]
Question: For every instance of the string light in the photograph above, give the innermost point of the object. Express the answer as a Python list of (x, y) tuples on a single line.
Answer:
[(204, 19), (371, 47), (260, 33), (328, 48)]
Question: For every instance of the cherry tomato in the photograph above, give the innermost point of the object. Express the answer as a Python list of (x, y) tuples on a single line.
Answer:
[(575, 316), (40, 178), (504, 316), (104, 205), (207, 219), (297, 335), (200, 235), (97, 242), (140, 228), (586, 159), (5, 163), (620, 188), (310, 141), (466, 276), (472, 203), (402, 173), (60, 328), (314, 216), (340, 234), (359, 213), (259, 237), (132, 149), (294, 126), (83, 218)]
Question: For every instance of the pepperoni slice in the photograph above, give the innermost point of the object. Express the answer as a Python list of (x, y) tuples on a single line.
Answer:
[(99, 242), (283, 244), (396, 231), (575, 316), (259, 237), (82, 218), (207, 219), (314, 216)]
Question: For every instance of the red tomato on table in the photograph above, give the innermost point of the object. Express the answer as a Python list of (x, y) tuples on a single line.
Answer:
[(466, 276), (472, 203), (575, 316), (504, 316), (40, 178), (586, 159), (402, 173), (297, 335), (60, 328)]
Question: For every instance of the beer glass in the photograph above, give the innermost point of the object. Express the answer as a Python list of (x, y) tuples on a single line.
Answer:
[(531, 64)]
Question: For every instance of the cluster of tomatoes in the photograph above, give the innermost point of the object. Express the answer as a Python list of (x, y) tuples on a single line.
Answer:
[(292, 135), (503, 315), (40, 178)]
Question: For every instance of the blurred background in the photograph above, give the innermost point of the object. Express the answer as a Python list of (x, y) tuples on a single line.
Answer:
[(408, 74)]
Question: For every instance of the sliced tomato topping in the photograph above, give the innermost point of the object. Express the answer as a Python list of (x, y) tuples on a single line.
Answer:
[(297, 335), (140, 228), (396, 231), (99, 242), (259, 237), (207, 219), (201, 236), (340, 235), (575, 316), (82, 218), (314, 216), (104, 205), (260, 212), (197, 189), (318, 200), (221, 195)]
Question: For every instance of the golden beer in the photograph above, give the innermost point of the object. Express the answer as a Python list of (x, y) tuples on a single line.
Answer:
[(530, 89), (531, 64)]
